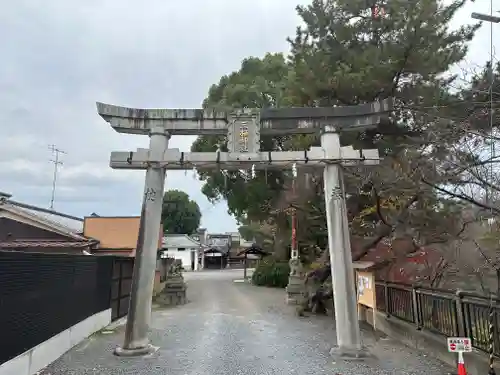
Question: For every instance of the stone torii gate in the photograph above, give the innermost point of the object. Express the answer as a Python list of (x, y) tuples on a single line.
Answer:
[(243, 129)]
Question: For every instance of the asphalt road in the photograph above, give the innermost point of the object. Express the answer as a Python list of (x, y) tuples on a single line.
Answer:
[(230, 328)]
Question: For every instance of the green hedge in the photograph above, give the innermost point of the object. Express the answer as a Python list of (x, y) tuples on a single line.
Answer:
[(271, 273)]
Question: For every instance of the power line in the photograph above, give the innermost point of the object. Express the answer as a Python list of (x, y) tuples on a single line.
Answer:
[(57, 162)]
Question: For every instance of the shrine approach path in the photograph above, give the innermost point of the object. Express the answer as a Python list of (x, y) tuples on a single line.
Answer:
[(230, 328)]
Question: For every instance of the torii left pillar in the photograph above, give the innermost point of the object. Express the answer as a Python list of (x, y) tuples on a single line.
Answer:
[(139, 313)]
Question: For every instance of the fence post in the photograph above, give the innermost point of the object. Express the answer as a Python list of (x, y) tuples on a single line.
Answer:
[(386, 297), (461, 331), (415, 304), (120, 280), (111, 275)]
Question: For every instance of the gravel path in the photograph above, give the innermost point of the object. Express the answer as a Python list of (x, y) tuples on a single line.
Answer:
[(232, 328)]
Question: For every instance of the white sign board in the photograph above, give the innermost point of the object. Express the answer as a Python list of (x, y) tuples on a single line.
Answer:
[(459, 344), (363, 283)]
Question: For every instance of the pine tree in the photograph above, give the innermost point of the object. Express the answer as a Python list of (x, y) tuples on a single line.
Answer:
[(350, 52), (348, 55)]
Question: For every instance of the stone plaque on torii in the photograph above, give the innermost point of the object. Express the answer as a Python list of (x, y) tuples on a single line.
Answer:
[(243, 129)]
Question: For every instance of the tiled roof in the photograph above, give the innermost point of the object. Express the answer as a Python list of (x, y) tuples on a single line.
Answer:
[(178, 240), (216, 249), (253, 250), (69, 225), (219, 242), (45, 244), (73, 223)]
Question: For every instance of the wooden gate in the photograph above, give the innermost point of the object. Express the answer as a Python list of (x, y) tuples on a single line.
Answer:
[(121, 286)]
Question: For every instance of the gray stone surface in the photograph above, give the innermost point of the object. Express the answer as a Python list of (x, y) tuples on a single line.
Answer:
[(174, 292), (295, 289), (295, 292), (232, 328)]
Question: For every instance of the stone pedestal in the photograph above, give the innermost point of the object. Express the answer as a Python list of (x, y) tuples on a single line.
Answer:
[(295, 290), (174, 293)]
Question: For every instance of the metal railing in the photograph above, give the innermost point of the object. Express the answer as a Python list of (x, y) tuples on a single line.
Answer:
[(442, 312)]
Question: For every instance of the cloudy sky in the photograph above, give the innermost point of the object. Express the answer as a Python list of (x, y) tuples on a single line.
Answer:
[(59, 57)]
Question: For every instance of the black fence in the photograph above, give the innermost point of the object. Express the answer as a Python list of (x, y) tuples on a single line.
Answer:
[(443, 312), (121, 286), (42, 295)]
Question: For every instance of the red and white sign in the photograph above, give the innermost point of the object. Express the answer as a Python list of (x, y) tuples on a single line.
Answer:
[(459, 344)]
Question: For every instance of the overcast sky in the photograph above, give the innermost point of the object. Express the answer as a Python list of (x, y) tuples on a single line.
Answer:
[(59, 57)]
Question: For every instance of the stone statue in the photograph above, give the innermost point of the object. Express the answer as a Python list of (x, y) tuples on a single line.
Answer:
[(174, 292), (295, 287), (318, 291), (176, 268)]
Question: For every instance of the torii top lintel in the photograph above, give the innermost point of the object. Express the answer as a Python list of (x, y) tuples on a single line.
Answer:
[(298, 120)]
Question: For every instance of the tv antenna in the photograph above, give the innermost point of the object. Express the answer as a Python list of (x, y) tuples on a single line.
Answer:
[(57, 162)]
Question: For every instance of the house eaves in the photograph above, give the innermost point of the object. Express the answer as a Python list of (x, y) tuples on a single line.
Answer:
[(46, 244), (42, 221), (178, 241), (75, 224)]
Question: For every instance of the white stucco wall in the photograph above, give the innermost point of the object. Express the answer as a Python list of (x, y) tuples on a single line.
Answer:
[(184, 256), (42, 355)]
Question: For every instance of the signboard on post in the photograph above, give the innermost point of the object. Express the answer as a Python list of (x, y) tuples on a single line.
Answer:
[(459, 344)]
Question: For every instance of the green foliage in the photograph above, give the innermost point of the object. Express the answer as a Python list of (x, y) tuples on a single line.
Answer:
[(259, 83), (272, 273), (477, 99), (247, 232), (179, 215), (253, 232), (341, 55)]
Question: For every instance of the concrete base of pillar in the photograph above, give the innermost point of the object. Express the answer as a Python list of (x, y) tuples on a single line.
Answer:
[(350, 354), (136, 352)]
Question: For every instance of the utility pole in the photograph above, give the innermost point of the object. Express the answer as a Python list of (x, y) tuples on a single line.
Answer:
[(57, 163), (491, 19), (492, 320)]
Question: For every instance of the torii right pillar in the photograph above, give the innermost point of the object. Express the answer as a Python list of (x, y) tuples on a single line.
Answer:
[(349, 344)]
